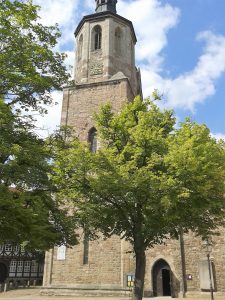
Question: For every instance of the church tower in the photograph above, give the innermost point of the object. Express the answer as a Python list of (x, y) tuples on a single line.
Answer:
[(104, 72), (104, 67)]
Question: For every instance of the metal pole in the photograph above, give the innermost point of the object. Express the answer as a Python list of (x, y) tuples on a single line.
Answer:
[(210, 277)]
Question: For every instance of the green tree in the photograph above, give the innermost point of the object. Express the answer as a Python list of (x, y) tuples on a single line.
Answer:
[(28, 211), (30, 69), (148, 179)]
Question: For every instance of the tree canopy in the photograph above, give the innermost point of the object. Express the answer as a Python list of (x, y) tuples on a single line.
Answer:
[(28, 213), (30, 69), (148, 180)]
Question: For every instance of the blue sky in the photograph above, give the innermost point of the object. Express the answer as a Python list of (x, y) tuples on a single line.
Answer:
[(180, 50), (197, 16)]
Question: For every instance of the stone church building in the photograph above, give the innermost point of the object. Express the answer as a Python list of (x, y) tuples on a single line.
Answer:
[(105, 71)]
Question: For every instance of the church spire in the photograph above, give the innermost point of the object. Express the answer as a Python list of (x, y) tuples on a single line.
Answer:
[(105, 5)]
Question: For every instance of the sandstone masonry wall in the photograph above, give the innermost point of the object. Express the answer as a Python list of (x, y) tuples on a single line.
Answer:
[(82, 101)]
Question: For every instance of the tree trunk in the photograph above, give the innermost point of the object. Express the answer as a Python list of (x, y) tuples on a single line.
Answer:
[(183, 264), (139, 274)]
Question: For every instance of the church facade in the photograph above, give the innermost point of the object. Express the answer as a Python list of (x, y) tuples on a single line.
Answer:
[(105, 71)]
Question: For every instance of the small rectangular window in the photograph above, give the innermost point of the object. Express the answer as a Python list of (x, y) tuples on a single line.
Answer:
[(86, 250), (27, 266), (34, 266), (8, 248), (20, 266), (12, 267)]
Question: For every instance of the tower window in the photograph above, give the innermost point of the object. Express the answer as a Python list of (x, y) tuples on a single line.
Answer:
[(97, 37), (86, 249), (80, 47), (92, 138), (118, 38)]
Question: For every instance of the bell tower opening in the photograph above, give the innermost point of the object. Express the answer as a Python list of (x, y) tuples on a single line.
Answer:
[(97, 38)]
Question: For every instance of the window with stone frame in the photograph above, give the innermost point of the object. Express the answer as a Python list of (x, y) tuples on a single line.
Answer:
[(86, 249), (80, 47), (97, 38), (92, 139), (118, 41)]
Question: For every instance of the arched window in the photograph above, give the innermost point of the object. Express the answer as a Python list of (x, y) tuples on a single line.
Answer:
[(80, 47), (118, 39), (92, 138), (97, 37), (132, 49)]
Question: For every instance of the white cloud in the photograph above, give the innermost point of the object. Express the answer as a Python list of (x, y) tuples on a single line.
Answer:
[(69, 61), (62, 12), (90, 5), (195, 86), (218, 136), (152, 21), (48, 123)]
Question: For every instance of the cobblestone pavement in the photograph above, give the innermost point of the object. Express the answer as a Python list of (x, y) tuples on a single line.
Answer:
[(33, 294)]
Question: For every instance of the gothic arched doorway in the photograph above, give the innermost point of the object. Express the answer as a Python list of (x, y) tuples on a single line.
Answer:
[(162, 279), (3, 272)]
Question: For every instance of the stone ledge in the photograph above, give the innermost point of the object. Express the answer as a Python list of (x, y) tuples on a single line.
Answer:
[(82, 292), (203, 296), (77, 86)]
